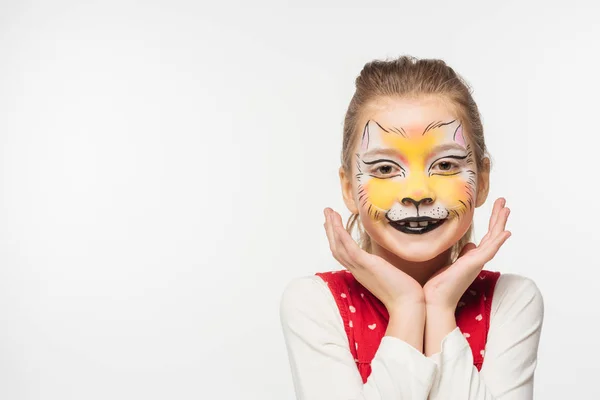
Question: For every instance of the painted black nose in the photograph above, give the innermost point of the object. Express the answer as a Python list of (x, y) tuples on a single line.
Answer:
[(408, 201)]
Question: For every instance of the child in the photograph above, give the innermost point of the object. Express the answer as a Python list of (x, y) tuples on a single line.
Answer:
[(413, 315)]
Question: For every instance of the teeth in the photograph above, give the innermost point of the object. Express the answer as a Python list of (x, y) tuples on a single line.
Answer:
[(419, 224)]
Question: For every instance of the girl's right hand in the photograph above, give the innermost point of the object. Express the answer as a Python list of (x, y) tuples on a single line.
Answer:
[(393, 287)]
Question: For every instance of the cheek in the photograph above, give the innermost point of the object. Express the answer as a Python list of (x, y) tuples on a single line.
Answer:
[(451, 190), (382, 193)]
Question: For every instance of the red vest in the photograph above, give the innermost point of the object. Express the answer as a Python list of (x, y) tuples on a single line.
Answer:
[(366, 318)]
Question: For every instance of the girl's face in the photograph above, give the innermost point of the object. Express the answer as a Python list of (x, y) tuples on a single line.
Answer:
[(415, 180)]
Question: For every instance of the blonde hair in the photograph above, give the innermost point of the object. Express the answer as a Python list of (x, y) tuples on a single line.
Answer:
[(408, 76)]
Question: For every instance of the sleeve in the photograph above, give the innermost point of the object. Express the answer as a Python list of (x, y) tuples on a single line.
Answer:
[(510, 357), (321, 363)]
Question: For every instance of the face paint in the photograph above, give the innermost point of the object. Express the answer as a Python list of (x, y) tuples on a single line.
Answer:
[(413, 180)]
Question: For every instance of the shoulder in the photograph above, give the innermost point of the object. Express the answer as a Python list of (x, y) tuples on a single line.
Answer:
[(516, 293), (307, 298), (515, 284), (318, 285), (298, 289)]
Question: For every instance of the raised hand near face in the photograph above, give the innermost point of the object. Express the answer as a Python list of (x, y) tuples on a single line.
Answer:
[(393, 287), (445, 288)]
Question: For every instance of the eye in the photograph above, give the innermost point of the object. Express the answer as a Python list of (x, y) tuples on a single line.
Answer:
[(384, 170), (445, 167)]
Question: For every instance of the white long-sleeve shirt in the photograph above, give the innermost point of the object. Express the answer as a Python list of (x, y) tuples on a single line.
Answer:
[(323, 367)]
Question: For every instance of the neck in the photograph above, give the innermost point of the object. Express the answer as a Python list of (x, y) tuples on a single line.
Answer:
[(420, 271)]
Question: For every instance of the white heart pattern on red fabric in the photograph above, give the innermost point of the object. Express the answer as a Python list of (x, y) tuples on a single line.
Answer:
[(479, 317), (352, 309), (371, 327)]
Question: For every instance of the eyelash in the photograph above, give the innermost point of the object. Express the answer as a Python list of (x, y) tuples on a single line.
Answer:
[(454, 168), (381, 175), (451, 171)]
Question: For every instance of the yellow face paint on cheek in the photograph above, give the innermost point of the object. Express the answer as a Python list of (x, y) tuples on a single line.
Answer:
[(453, 191), (382, 193)]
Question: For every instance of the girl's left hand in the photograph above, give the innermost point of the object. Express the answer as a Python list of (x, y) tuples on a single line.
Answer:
[(445, 288)]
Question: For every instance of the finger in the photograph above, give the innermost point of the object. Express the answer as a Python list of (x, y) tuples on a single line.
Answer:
[(491, 236), (498, 205), (501, 222), (497, 228), (501, 239), (337, 249), (354, 254), (484, 239), (491, 250), (344, 251), (329, 229)]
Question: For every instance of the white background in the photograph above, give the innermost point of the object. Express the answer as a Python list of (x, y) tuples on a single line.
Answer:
[(165, 164)]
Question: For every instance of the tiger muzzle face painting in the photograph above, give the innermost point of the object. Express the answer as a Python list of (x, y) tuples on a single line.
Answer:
[(415, 181)]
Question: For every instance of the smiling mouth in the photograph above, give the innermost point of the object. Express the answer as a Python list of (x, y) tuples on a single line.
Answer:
[(417, 225)]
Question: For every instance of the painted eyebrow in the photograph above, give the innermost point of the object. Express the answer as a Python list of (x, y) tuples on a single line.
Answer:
[(435, 125), (400, 131)]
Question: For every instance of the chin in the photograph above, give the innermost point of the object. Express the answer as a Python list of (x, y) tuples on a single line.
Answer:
[(418, 252)]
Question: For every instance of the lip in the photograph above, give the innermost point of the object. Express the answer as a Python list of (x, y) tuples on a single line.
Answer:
[(403, 225)]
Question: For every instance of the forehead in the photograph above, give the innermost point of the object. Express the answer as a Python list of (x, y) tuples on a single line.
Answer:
[(412, 115)]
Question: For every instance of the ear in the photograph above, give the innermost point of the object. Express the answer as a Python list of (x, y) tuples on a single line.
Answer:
[(483, 182), (347, 191)]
